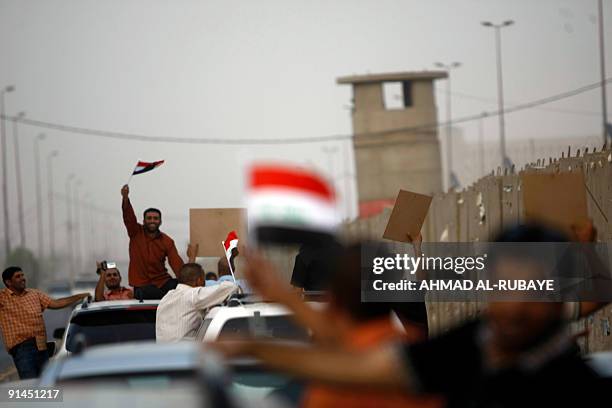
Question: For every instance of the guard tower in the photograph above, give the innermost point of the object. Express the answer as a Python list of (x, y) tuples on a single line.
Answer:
[(395, 145)]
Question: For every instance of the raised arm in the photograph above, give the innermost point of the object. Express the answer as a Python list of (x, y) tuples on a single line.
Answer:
[(379, 368), (206, 297), (99, 295), (129, 218), (262, 276), (67, 301)]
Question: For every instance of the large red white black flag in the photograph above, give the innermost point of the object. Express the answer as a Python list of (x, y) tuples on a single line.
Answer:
[(290, 204)]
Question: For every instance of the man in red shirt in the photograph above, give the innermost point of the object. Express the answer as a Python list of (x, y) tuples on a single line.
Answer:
[(111, 278), (149, 248)]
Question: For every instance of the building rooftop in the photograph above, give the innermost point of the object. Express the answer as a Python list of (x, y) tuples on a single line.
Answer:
[(392, 77)]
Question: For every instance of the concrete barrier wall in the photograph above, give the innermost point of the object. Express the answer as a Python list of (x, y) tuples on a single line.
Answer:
[(479, 211)]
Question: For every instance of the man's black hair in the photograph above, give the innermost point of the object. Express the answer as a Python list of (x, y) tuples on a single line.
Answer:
[(8, 273), (211, 276), (190, 272), (155, 210)]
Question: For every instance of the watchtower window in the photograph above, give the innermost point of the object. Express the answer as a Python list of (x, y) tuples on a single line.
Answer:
[(407, 91), (397, 95)]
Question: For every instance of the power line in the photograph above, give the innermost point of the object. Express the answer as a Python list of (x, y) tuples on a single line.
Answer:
[(302, 140), (493, 101)]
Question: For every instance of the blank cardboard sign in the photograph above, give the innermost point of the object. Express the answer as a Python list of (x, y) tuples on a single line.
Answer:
[(557, 200), (209, 226), (407, 216)]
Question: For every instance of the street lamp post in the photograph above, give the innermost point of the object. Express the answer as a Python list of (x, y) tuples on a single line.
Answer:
[(449, 126), (602, 67), (39, 194), (7, 238), (50, 157), (77, 227), (22, 233), (483, 115), (69, 226), (500, 88)]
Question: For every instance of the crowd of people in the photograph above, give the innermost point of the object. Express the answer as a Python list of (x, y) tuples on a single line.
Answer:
[(513, 354)]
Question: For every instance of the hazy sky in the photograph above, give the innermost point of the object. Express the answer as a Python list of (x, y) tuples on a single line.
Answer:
[(261, 69)]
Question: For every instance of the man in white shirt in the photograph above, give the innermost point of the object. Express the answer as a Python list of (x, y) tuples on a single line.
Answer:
[(180, 311)]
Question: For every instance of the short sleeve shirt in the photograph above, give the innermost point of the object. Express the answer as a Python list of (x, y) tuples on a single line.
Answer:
[(21, 317)]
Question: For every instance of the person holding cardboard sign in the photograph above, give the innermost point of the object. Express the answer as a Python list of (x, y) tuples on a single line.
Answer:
[(149, 249)]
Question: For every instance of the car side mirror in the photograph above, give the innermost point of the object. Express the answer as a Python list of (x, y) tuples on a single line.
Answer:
[(59, 333)]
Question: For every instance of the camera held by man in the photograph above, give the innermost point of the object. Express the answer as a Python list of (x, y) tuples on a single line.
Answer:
[(109, 284)]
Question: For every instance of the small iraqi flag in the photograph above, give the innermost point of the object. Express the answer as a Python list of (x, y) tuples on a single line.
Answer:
[(288, 204), (230, 243), (143, 167)]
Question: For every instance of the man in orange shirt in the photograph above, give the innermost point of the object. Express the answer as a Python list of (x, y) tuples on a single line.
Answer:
[(348, 323), (22, 324), (149, 248), (111, 278)]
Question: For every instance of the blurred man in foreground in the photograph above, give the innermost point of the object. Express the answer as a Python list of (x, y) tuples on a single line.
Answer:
[(179, 313), (345, 323), (111, 278), (22, 324), (517, 354)]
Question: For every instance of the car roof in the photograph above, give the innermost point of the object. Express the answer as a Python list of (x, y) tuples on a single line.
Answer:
[(115, 304), (265, 309), (130, 358)]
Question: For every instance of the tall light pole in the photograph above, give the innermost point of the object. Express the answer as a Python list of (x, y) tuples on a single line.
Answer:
[(7, 238), (91, 241), (39, 195), (500, 88), (602, 63), (77, 226), (69, 226), (22, 233), (449, 126), (481, 143), (50, 157)]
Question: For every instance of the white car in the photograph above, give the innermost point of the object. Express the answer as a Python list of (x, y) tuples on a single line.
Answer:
[(115, 321), (249, 317), (153, 374)]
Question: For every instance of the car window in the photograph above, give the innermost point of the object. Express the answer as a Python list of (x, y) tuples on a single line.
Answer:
[(276, 327), (111, 326)]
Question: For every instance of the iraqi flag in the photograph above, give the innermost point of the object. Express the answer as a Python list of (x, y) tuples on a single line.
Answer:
[(230, 243), (143, 167), (288, 204)]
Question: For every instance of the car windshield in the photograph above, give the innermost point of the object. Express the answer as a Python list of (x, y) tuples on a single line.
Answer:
[(274, 327), (111, 326)]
